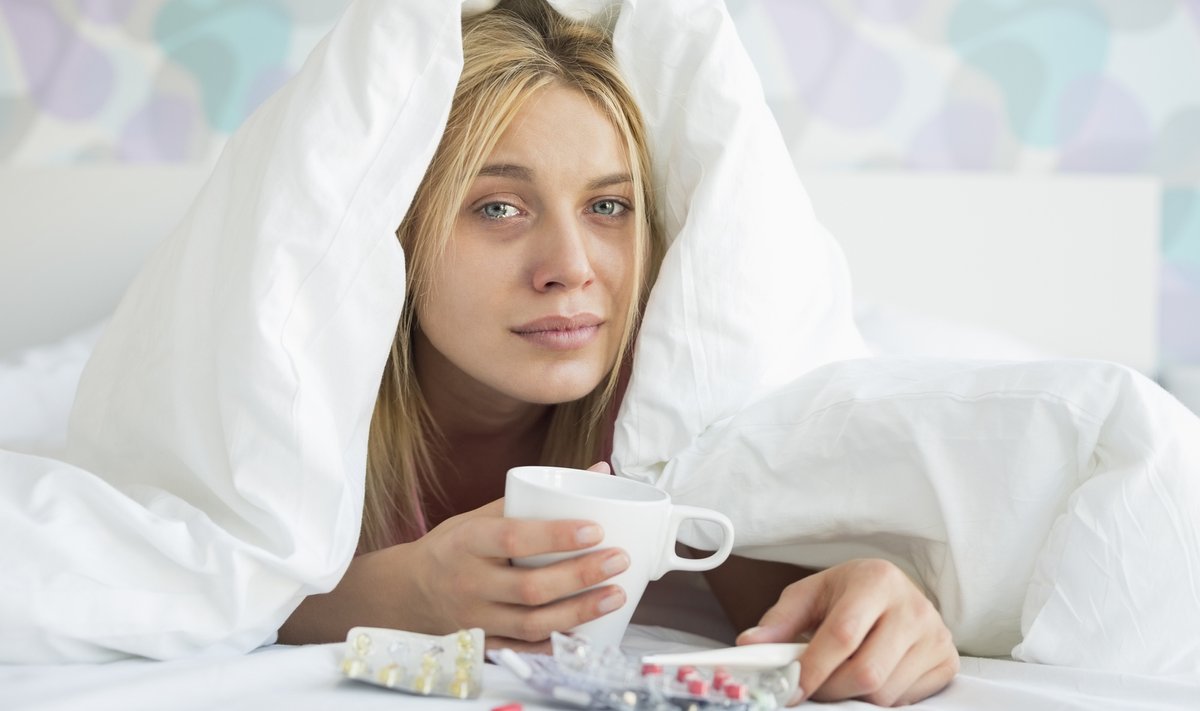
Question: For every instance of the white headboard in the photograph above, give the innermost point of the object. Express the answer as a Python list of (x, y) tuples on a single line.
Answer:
[(1068, 264), (72, 238)]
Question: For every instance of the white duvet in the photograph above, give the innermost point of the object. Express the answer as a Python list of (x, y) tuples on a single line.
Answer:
[(1049, 506), (214, 473)]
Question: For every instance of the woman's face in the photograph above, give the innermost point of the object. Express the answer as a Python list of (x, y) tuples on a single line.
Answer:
[(529, 300)]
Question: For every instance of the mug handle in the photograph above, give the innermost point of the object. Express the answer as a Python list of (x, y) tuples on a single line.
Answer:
[(681, 513)]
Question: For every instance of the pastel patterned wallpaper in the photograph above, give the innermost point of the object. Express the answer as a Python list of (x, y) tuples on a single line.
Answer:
[(1109, 86), (1036, 86), (143, 80)]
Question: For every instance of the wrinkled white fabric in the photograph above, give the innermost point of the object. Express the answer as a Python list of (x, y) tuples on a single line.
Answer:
[(752, 292), (1049, 506), (218, 441), (37, 386)]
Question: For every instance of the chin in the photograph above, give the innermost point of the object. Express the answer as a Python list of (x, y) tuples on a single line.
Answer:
[(558, 395), (558, 388)]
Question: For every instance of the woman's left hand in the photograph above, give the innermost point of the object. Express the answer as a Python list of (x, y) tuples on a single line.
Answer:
[(875, 636)]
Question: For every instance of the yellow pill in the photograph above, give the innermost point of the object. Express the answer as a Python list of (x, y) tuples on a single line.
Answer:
[(353, 667), (390, 675), (423, 684), (460, 689)]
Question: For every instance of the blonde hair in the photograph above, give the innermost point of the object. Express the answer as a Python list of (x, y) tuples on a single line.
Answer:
[(509, 54)]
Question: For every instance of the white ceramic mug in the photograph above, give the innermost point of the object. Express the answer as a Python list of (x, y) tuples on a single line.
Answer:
[(636, 517)]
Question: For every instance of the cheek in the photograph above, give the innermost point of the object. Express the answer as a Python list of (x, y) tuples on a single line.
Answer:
[(463, 288), (617, 260)]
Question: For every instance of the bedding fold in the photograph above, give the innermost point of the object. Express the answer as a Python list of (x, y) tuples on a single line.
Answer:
[(1049, 508), (216, 452)]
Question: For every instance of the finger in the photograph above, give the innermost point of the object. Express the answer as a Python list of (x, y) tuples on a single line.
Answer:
[(933, 648), (876, 662), (534, 587), (533, 624), (911, 667), (932, 682), (518, 538), (765, 633), (798, 610), (601, 467), (839, 636)]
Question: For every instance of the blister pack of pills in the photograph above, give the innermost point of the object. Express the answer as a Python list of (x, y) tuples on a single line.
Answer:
[(578, 674), (428, 665)]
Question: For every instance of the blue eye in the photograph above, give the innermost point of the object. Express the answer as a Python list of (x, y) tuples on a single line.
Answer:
[(608, 208), (499, 210)]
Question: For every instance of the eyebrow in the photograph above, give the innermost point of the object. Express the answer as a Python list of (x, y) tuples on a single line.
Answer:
[(506, 170), (608, 180), (520, 172)]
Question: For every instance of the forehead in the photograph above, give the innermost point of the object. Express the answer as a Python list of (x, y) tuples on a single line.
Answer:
[(560, 130)]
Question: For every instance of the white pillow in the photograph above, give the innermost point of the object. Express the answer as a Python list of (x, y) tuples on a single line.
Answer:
[(37, 387)]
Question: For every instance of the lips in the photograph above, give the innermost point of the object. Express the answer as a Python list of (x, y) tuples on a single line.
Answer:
[(559, 323), (561, 333)]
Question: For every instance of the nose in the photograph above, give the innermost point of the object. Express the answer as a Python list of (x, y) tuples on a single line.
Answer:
[(562, 257)]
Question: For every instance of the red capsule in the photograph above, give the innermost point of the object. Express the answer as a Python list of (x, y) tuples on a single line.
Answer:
[(684, 673), (697, 687), (737, 692), (651, 669)]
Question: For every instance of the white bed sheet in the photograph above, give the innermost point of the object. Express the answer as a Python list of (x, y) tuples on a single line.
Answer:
[(301, 678)]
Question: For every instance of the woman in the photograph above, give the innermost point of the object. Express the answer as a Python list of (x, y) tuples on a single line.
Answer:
[(531, 245)]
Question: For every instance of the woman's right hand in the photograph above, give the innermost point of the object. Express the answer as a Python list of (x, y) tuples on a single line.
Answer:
[(458, 576), (461, 577)]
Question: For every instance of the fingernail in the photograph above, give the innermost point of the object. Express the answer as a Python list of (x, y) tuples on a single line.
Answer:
[(752, 632), (614, 564), (611, 602), (589, 535)]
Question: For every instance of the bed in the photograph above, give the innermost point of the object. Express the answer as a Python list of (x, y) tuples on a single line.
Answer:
[(61, 273), (227, 400)]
